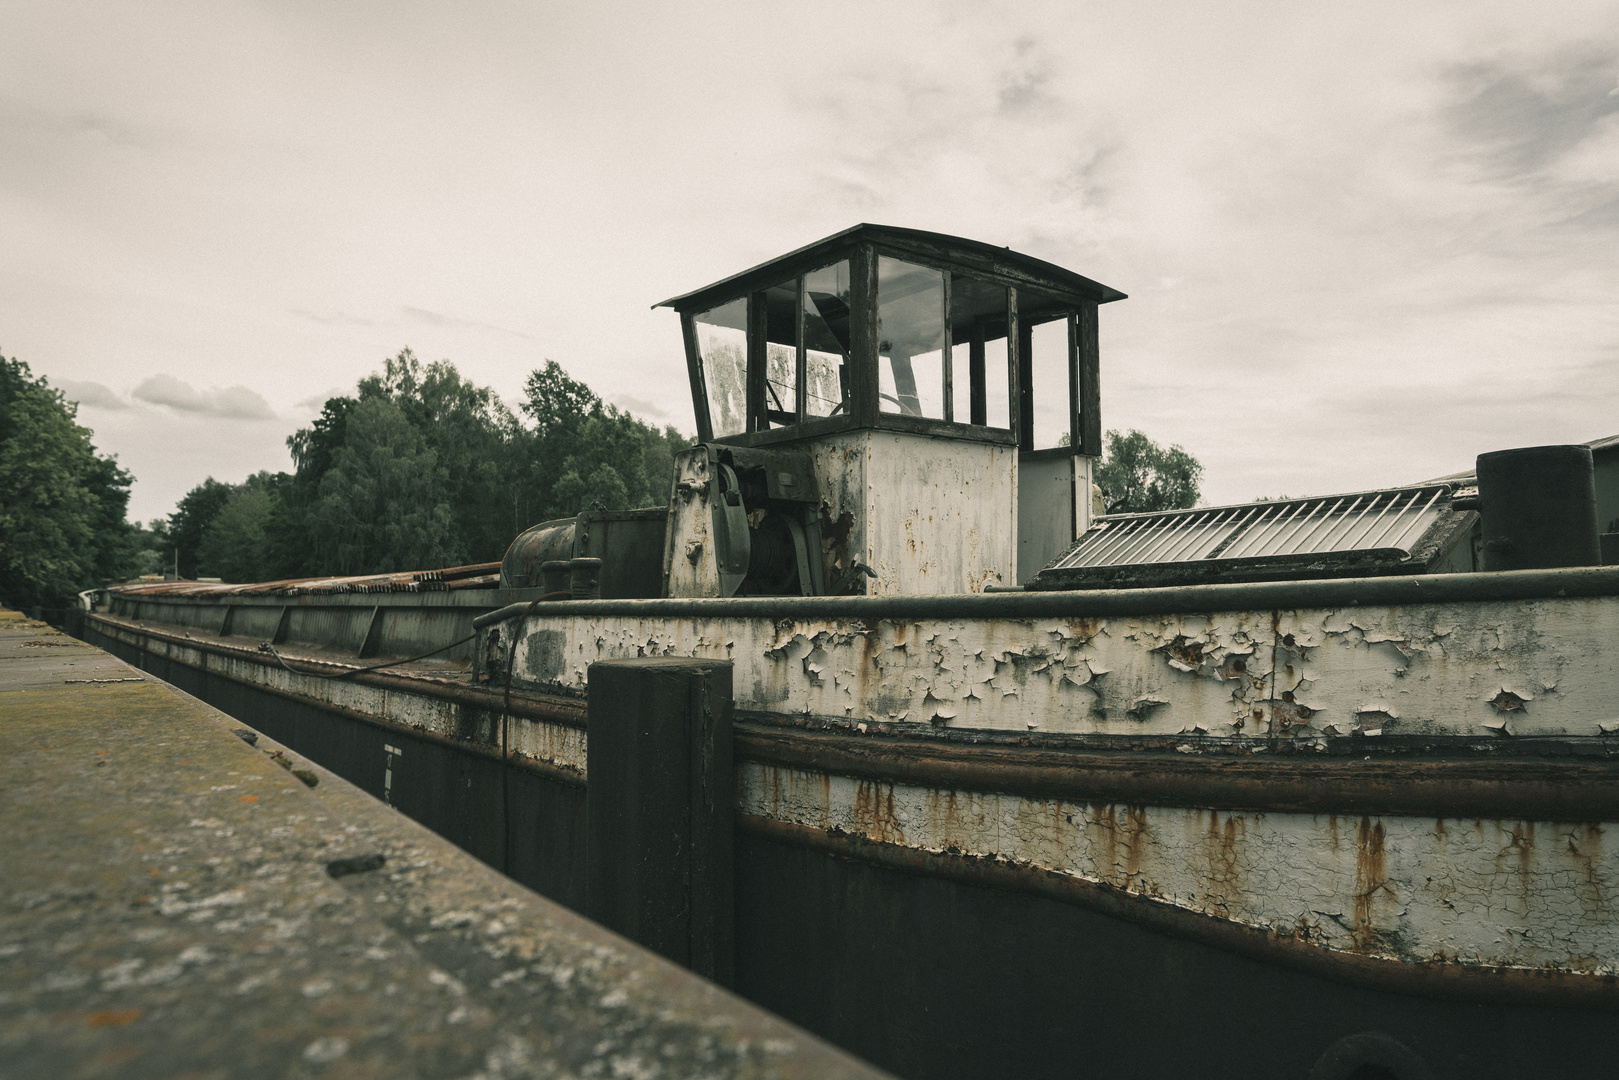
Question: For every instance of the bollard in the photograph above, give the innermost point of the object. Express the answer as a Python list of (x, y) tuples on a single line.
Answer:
[(585, 582), (658, 798), (556, 575)]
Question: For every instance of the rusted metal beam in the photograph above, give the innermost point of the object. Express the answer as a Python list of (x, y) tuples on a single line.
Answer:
[(1020, 362)]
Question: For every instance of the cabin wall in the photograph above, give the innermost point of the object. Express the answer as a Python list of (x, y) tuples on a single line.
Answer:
[(929, 515), (1054, 508)]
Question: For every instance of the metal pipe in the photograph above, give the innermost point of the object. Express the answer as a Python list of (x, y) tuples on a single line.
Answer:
[(1081, 603), (1481, 786)]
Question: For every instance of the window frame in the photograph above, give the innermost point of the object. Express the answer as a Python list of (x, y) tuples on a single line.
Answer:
[(862, 406)]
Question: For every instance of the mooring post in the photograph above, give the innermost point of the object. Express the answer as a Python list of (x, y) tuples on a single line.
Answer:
[(658, 800)]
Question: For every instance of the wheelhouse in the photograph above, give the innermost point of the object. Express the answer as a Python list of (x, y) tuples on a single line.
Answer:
[(887, 328)]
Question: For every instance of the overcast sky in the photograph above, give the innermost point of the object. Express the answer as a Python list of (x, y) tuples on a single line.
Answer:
[(1363, 242)]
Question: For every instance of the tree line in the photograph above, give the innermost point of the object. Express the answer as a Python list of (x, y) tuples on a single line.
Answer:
[(62, 503), (420, 468)]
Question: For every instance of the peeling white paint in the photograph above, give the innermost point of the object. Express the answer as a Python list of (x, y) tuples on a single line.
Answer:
[(1514, 893), (1422, 669)]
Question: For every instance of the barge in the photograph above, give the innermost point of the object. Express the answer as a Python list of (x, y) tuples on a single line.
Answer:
[(1314, 788)]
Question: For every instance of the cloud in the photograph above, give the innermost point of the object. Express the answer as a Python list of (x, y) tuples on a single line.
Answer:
[(91, 395), (1024, 81), (433, 318), (640, 406), (232, 402), (316, 402), (332, 318), (1527, 113)]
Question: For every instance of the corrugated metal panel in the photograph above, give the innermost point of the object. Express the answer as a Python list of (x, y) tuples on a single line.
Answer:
[(1364, 521)]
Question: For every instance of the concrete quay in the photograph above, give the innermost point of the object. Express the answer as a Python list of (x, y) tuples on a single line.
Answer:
[(183, 897)]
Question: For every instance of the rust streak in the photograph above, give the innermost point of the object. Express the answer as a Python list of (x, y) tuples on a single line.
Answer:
[(1371, 876)]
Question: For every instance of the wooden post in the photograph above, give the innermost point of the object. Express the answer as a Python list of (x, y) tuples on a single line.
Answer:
[(1090, 376), (863, 335), (697, 377), (1020, 348), (758, 351), (978, 388), (659, 796)]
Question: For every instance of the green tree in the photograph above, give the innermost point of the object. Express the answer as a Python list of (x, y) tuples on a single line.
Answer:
[(153, 552), (383, 505), (289, 546), (236, 545), (115, 548), (196, 511), (556, 403), (583, 453), (494, 472), (470, 430), (62, 505), (1137, 475)]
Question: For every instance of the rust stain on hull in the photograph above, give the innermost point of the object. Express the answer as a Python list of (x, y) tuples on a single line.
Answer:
[(1371, 877)]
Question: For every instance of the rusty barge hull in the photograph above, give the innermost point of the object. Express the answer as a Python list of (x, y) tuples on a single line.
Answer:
[(1403, 786)]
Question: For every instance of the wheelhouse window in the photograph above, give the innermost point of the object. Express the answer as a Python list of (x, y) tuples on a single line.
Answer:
[(978, 321), (826, 341), (722, 345), (1048, 364), (1049, 379), (781, 356), (806, 347), (910, 339)]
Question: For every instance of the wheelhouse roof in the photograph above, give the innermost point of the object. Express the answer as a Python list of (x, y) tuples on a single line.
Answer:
[(968, 255)]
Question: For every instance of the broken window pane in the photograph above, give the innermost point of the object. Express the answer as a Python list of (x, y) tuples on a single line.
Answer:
[(826, 340), (722, 346), (980, 377), (781, 355), (910, 338)]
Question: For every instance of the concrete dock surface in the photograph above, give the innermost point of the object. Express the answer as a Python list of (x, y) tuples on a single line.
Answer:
[(181, 897)]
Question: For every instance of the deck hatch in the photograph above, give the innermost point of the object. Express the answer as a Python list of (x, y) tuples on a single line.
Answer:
[(1389, 531)]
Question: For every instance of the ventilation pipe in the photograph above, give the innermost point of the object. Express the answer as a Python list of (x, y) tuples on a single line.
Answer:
[(1538, 508)]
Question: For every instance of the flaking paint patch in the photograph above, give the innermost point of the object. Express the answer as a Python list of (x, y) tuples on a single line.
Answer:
[(1305, 675)]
